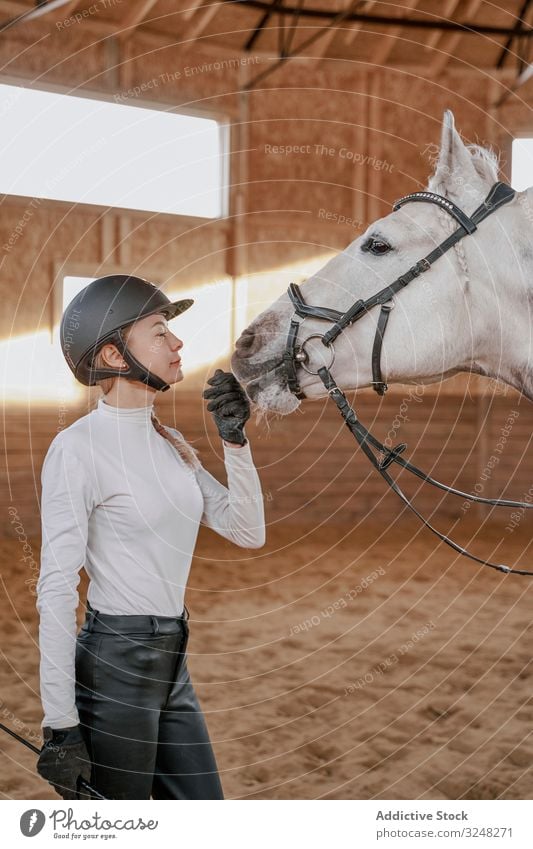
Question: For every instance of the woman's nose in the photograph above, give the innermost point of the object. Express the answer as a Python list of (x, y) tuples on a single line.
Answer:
[(177, 343)]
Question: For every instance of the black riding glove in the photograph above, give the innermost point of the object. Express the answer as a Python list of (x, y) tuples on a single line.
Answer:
[(229, 405), (63, 758)]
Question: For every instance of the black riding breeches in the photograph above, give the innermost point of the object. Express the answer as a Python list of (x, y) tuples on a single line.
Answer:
[(139, 715)]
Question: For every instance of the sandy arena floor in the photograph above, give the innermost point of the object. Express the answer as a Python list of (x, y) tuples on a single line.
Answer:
[(335, 663)]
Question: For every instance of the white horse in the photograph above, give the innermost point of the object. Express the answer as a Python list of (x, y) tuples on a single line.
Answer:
[(470, 312)]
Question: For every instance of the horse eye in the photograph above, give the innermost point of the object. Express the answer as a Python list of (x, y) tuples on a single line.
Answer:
[(376, 246)]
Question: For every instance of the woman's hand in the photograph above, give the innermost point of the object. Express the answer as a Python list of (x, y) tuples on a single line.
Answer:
[(229, 405), (63, 759)]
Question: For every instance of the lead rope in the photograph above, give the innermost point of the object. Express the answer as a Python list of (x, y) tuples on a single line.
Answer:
[(365, 439)]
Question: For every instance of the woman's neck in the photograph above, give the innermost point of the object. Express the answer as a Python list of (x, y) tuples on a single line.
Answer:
[(130, 393)]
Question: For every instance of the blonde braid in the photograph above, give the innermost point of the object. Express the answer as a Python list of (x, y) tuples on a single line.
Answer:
[(186, 451)]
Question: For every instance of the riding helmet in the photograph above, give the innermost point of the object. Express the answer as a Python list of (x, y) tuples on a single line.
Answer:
[(98, 314)]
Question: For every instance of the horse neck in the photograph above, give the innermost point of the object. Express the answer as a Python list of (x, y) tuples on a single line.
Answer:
[(505, 296)]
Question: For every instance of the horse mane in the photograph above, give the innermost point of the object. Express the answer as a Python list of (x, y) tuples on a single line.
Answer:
[(484, 159)]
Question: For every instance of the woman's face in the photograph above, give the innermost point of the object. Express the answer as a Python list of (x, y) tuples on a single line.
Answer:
[(156, 347)]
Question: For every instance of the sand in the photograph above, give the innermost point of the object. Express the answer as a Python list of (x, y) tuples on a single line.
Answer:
[(338, 663)]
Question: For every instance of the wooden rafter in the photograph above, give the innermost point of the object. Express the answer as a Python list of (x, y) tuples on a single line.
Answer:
[(199, 22), (389, 39), (32, 14), (448, 42), (518, 24), (524, 78), (448, 11), (136, 14), (308, 42), (422, 22), (192, 6), (355, 27), (321, 45), (68, 10), (318, 46), (263, 21)]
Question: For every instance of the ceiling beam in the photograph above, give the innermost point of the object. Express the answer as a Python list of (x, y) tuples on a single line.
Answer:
[(191, 9), (351, 32), (136, 14), (338, 19), (448, 42), (33, 13), (521, 80), (450, 8), (518, 23), (382, 20), (389, 39), (321, 45), (199, 22), (265, 17)]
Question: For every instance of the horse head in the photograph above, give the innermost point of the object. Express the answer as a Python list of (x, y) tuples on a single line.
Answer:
[(469, 312)]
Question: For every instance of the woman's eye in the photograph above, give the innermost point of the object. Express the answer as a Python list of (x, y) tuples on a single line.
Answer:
[(376, 246)]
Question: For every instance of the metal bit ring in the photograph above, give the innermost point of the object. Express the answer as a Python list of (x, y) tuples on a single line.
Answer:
[(300, 359)]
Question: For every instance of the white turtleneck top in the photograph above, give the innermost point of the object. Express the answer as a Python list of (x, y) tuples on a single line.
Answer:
[(118, 499)]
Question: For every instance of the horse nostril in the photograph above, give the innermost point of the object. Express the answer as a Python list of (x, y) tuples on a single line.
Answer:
[(246, 344)]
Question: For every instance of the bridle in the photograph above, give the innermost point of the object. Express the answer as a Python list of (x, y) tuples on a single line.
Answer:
[(296, 355)]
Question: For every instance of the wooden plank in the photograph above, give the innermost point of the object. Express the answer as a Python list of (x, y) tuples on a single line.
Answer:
[(449, 40), (136, 14)]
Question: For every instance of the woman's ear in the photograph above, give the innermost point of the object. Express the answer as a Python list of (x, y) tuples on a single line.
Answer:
[(111, 356)]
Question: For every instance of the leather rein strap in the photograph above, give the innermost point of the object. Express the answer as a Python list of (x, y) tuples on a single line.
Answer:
[(295, 355)]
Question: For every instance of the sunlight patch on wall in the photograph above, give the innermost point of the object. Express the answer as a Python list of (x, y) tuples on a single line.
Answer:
[(522, 164), (91, 151)]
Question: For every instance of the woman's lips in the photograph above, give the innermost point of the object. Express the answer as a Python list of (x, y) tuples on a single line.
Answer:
[(175, 362)]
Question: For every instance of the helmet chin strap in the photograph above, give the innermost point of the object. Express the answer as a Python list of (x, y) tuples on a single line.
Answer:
[(136, 370)]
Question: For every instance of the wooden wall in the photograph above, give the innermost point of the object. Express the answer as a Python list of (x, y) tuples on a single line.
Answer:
[(363, 139)]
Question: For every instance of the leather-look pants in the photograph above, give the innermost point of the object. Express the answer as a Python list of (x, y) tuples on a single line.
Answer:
[(139, 715)]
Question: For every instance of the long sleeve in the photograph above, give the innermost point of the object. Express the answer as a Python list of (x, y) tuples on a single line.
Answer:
[(66, 504), (236, 512)]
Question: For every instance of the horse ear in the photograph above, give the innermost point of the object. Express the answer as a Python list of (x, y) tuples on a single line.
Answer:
[(461, 171)]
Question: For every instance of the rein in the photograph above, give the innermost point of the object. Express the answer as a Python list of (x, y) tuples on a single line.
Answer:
[(295, 355)]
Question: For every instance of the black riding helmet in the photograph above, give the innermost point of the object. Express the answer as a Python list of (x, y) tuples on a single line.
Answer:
[(98, 314)]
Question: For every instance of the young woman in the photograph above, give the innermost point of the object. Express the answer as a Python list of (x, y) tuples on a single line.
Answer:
[(123, 496)]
